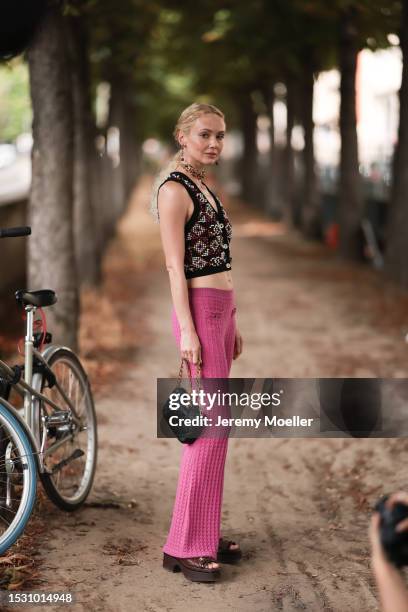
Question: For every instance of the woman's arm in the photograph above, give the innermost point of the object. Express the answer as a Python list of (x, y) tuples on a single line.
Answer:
[(173, 201)]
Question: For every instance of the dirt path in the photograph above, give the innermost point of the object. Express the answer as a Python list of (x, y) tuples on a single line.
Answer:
[(299, 508)]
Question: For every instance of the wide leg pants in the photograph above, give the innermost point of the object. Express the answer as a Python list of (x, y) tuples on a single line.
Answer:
[(195, 526)]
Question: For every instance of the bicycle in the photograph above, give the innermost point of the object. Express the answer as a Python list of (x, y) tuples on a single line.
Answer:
[(54, 434)]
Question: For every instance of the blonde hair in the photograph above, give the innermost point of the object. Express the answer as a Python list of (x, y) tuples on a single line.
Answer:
[(184, 124)]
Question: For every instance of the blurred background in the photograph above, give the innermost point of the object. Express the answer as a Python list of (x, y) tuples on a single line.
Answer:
[(316, 102)]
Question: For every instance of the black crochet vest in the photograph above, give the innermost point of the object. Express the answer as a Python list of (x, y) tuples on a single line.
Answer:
[(207, 233)]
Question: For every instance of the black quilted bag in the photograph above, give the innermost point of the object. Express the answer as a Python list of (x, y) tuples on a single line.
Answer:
[(187, 434)]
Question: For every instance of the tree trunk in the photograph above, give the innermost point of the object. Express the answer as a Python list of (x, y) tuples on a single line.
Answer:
[(290, 214), (51, 261), (396, 256), (130, 146), (118, 120), (249, 162), (350, 196), (86, 236), (272, 206), (310, 211), (102, 178)]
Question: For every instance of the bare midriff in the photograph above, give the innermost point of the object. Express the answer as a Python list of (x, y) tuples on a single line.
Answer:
[(220, 280)]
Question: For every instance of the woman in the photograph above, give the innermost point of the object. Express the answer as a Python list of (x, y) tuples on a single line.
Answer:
[(195, 233)]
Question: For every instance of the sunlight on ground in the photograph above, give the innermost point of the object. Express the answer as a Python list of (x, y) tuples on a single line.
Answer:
[(259, 228)]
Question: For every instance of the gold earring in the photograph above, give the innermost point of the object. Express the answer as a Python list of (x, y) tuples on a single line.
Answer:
[(182, 153)]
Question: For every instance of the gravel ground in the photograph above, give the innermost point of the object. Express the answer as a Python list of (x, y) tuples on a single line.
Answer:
[(298, 507)]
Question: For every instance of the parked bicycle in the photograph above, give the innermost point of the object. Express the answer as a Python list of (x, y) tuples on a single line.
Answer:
[(54, 434)]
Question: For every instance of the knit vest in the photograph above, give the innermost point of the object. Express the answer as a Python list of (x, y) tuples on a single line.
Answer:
[(207, 233)]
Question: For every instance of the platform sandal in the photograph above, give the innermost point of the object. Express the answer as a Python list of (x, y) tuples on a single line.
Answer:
[(195, 569), (226, 554)]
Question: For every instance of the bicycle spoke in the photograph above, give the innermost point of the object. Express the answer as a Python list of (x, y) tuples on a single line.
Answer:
[(3, 519), (70, 481)]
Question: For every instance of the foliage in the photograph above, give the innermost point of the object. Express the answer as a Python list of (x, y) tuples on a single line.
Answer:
[(167, 53), (15, 107)]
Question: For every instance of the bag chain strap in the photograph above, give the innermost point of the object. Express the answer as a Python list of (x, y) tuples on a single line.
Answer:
[(197, 375)]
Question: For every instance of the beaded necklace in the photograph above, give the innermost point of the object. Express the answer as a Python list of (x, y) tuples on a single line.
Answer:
[(198, 174)]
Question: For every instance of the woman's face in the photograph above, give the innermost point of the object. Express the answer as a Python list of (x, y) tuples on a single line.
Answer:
[(203, 144)]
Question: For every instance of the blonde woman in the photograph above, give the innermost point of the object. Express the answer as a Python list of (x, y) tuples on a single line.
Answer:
[(196, 234)]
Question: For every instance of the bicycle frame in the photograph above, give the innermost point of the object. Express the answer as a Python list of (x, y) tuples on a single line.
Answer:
[(32, 396)]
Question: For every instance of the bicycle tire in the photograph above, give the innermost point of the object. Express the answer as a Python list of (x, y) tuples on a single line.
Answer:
[(22, 443), (69, 504)]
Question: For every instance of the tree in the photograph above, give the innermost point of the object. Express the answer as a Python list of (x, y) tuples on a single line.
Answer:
[(350, 196), (120, 44), (288, 164), (86, 235), (51, 262), (310, 210), (362, 24), (396, 256)]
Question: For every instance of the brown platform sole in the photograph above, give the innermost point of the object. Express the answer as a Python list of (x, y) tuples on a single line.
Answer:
[(229, 556), (173, 564)]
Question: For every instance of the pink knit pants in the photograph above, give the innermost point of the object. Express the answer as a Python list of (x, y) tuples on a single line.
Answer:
[(195, 524)]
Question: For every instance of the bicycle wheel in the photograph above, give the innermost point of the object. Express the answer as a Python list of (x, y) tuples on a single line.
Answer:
[(18, 478), (70, 450)]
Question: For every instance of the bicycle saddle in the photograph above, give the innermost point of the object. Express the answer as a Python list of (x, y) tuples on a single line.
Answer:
[(40, 298)]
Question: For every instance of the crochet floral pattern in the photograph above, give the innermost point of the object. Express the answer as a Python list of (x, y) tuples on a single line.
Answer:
[(208, 232)]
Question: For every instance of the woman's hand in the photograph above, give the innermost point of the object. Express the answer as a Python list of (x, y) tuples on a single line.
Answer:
[(378, 555), (377, 552), (238, 344), (190, 346)]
